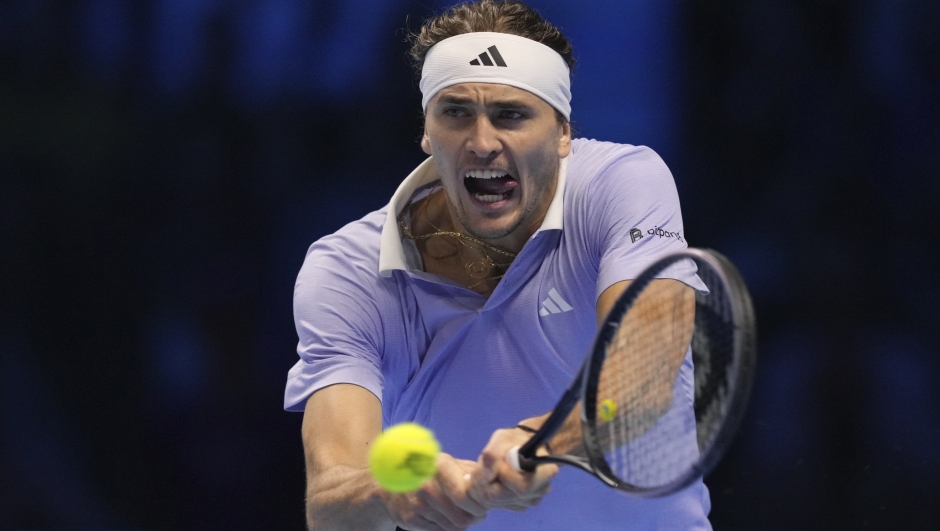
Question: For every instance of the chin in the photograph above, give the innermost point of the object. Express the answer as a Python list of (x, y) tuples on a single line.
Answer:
[(493, 231), (490, 234), (491, 225)]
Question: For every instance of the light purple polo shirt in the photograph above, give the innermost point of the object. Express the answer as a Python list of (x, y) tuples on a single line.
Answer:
[(465, 365)]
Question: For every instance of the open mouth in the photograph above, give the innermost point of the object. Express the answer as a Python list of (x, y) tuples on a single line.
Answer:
[(489, 186)]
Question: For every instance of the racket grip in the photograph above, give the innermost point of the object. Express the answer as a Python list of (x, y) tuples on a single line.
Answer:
[(520, 463)]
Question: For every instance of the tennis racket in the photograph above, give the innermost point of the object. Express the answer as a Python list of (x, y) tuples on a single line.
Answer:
[(640, 429)]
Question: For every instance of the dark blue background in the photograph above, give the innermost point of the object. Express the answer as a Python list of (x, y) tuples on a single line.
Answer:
[(164, 165)]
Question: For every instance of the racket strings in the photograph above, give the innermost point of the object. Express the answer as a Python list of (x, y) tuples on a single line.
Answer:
[(668, 381), (636, 388)]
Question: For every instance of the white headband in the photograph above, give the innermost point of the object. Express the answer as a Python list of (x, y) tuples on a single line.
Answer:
[(485, 57)]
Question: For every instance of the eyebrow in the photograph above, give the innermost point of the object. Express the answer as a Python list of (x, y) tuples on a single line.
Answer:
[(501, 104)]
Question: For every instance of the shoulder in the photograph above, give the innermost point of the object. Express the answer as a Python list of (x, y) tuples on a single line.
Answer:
[(593, 160), (598, 167), (589, 154), (350, 254)]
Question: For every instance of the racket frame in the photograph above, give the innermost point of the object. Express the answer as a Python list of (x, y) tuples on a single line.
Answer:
[(584, 384), (742, 312), (527, 457)]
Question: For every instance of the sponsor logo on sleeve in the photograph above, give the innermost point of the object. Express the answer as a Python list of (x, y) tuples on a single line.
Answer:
[(656, 231)]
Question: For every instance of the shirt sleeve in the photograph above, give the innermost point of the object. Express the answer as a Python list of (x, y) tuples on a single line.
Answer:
[(338, 326), (637, 219)]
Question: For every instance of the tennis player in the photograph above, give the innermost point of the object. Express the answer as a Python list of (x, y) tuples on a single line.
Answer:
[(468, 302)]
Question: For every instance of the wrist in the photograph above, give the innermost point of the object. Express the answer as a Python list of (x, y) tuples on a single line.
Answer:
[(529, 429)]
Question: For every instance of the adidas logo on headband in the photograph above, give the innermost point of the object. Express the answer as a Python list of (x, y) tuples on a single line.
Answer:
[(536, 68), (485, 58)]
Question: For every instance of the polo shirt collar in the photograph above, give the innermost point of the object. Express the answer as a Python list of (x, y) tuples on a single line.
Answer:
[(391, 251)]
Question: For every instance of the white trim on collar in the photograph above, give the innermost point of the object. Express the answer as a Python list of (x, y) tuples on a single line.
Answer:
[(555, 215), (391, 251)]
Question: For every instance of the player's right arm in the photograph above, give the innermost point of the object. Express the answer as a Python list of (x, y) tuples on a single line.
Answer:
[(340, 423)]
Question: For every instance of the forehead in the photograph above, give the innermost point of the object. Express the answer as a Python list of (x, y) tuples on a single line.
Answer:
[(489, 94)]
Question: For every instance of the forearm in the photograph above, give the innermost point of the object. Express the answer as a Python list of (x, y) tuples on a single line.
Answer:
[(343, 498), (341, 493), (568, 439)]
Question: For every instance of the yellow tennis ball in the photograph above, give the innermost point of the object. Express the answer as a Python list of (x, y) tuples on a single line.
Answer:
[(608, 410), (403, 457)]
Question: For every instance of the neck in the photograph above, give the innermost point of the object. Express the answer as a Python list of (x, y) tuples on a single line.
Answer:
[(440, 216), (448, 251)]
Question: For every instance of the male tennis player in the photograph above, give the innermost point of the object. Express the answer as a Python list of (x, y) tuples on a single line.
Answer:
[(469, 301)]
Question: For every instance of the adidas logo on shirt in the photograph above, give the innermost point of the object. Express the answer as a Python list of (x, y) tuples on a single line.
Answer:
[(554, 304), (485, 60)]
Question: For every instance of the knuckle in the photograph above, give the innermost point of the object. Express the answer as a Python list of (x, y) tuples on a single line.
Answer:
[(421, 504), (410, 521), (463, 521), (489, 454)]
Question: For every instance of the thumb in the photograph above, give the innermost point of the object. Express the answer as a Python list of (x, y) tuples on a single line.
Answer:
[(489, 468)]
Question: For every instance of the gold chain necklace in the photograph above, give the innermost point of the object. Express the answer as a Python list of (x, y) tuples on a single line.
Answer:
[(479, 268)]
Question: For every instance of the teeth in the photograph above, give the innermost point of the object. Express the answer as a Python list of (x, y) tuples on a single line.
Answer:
[(484, 174), (490, 198)]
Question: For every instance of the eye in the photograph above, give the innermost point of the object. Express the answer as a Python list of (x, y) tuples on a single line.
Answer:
[(455, 112), (510, 115)]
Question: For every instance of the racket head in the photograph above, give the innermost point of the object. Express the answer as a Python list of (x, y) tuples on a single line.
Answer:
[(636, 437)]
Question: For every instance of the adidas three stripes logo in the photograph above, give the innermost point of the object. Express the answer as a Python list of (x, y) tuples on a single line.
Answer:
[(485, 60), (554, 304)]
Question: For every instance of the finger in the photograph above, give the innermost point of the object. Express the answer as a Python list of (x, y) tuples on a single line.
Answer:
[(523, 482), (527, 486), (494, 494), (414, 514), (522, 508), (495, 451), (471, 469), (429, 508), (515, 489), (530, 489), (467, 466), (454, 483), (418, 522), (498, 496), (520, 484)]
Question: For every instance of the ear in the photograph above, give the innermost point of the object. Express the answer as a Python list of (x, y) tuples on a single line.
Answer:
[(425, 141), (564, 143)]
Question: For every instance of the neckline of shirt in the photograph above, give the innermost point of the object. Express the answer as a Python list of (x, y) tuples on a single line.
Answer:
[(391, 251)]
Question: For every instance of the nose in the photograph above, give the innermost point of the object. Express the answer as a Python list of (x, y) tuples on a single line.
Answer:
[(484, 138)]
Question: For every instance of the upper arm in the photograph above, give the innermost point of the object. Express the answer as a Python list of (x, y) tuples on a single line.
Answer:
[(635, 219), (340, 423), (339, 327)]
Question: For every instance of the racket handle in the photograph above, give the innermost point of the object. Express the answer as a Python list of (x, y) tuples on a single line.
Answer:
[(520, 463)]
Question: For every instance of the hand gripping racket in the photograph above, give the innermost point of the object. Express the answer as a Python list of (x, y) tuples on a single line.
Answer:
[(641, 429)]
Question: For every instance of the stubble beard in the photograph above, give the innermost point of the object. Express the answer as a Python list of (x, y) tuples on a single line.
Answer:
[(528, 209), (497, 233)]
